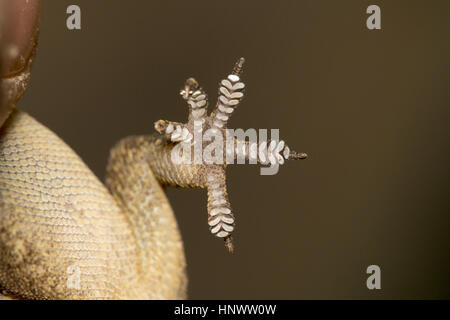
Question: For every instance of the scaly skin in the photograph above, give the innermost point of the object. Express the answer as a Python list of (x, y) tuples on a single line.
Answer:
[(56, 214), (121, 241)]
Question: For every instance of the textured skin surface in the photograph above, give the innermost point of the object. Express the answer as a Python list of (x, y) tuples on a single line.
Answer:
[(64, 235), (57, 217)]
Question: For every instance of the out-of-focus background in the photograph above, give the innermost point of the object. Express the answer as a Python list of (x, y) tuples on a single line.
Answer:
[(371, 109)]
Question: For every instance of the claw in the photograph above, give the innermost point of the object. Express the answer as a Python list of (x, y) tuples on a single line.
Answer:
[(229, 244), (238, 67), (160, 126), (297, 156), (190, 85)]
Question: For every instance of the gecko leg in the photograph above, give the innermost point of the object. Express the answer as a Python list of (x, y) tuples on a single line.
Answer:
[(209, 173)]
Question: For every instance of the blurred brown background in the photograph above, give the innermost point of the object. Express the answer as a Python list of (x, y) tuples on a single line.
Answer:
[(371, 109)]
